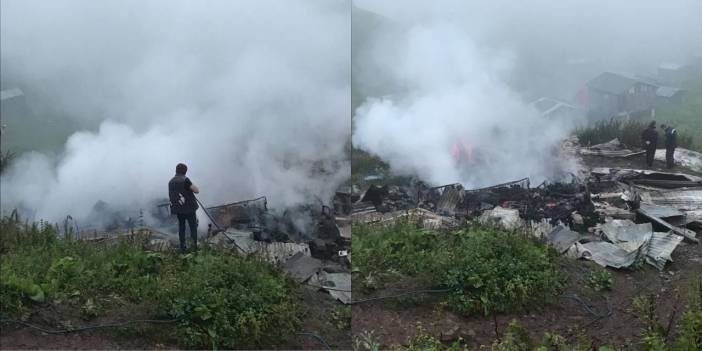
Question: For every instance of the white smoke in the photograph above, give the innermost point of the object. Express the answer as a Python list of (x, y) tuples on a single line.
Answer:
[(455, 97), (252, 95), (435, 75)]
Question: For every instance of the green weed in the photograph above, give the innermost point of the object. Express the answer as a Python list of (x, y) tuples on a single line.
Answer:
[(219, 298), (489, 270)]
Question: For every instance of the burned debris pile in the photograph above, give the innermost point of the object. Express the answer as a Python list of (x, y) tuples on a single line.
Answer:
[(309, 242), (615, 217)]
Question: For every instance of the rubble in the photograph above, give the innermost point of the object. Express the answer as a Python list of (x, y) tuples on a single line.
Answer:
[(337, 284), (683, 157), (562, 239), (504, 217), (612, 148), (684, 232), (607, 254), (615, 217)]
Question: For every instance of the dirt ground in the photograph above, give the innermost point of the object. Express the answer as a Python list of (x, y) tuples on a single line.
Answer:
[(318, 308), (394, 322)]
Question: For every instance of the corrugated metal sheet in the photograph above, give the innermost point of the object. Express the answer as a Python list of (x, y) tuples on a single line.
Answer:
[(607, 254), (660, 249), (661, 211), (626, 234), (451, 195), (688, 199)]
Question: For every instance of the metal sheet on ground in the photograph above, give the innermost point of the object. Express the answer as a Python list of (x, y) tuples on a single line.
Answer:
[(562, 238)]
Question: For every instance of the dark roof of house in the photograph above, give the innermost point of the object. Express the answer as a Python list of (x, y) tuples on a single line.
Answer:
[(614, 83)]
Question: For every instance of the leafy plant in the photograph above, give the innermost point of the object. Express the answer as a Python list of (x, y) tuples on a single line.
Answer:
[(489, 270), (600, 279), (224, 300), (402, 247), (656, 335), (366, 341), (423, 341), (497, 271), (220, 299), (690, 325), (342, 317)]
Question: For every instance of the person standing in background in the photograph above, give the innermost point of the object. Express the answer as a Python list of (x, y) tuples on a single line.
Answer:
[(649, 141), (181, 192), (671, 142)]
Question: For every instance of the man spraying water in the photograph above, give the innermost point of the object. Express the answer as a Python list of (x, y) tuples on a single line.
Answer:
[(181, 192)]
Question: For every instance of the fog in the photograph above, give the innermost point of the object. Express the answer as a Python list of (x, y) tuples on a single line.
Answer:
[(252, 95), (434, 74)]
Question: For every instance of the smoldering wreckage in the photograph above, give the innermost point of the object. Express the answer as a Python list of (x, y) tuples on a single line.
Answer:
[(310, 243), (616, 217)]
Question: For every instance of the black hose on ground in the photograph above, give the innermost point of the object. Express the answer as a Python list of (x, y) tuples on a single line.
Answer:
[(413, 292), (90, 327), (316, 336), (204, 209), (121, 324), (587, 307)]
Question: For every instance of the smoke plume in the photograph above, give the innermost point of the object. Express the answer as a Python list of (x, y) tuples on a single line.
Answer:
[(252, 95), (435, 77)]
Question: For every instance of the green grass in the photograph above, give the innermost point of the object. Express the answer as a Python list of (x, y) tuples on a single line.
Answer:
[(686, 117), (489, 270), (657, 336), (220, 299), (629, 133)]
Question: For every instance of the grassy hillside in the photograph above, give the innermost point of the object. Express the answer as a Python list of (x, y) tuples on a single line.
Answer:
[(687, 117), (209, 299)]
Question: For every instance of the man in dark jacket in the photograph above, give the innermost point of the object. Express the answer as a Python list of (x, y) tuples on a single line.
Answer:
[(181, 192), (649, 141), (671, 142)]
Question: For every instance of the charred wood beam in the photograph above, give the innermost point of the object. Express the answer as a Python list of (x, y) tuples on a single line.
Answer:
[(686, 233)]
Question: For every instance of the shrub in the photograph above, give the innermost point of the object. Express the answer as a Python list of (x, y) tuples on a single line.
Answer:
[(489, 270), (423, 341), (342, 317), (629, 133), (600, 279), (496, 271), (402, 247), (366, 341), (221, 299), (224, 300), (689, 327)]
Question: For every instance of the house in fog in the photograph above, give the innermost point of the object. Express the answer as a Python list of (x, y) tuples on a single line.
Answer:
[(673, 73), (611, 94), (669, 95)]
